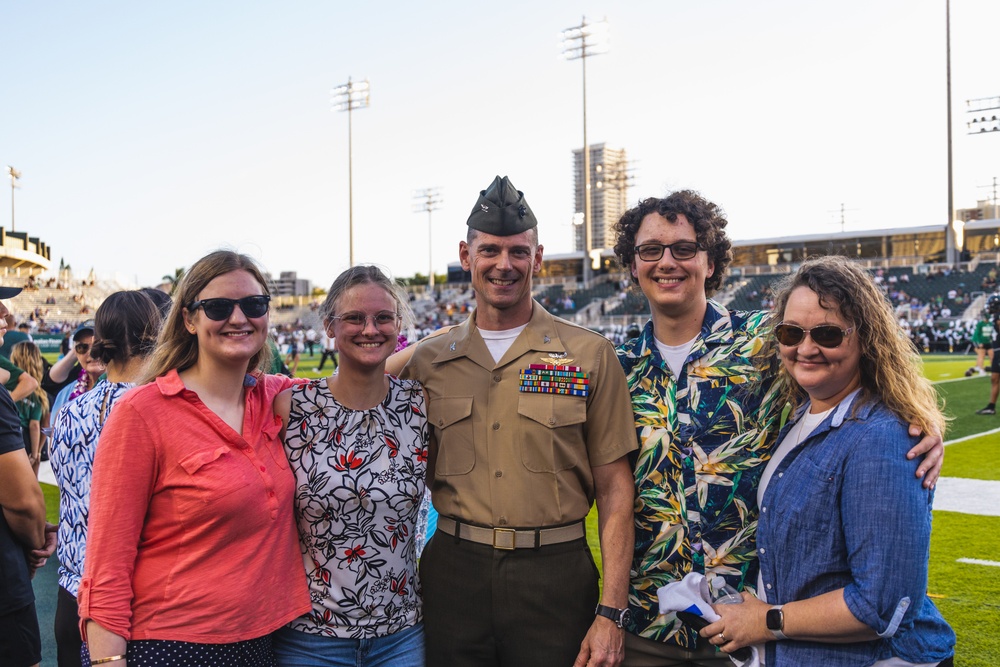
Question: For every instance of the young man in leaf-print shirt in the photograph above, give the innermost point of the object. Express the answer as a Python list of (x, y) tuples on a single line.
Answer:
[(707, 413)]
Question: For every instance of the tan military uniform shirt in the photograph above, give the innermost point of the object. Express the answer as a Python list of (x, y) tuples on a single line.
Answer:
[(504, 457)]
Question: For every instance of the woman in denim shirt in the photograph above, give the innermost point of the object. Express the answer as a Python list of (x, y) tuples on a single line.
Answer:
[(844, 536)]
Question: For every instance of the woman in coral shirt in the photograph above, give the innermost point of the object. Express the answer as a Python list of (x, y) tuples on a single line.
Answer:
[(192, 555)]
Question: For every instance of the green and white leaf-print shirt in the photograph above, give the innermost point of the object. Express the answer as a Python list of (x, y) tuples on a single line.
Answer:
[(704, 439)]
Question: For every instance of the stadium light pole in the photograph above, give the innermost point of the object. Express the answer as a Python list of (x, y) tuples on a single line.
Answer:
[(14, 176), (349, 97), (428, 200), (579, 43)]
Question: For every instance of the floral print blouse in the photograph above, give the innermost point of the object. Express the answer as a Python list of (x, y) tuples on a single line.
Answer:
[(360, 477)]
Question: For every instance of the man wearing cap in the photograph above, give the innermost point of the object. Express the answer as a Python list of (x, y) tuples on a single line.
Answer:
[(530, 423), (22, 527)]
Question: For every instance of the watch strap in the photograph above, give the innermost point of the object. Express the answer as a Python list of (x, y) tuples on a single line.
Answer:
[(613, 613), (775, 612)]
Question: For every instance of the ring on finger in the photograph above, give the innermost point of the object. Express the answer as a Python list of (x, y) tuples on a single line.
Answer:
[(722, 636)]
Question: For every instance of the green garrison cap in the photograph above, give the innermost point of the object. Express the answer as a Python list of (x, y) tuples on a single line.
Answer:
[(502, 210)]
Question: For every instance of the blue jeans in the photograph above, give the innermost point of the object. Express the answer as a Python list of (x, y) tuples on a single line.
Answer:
[(301, 649)]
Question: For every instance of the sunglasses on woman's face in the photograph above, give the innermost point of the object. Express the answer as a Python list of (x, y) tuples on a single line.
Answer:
[(82, 348), (825, 335), (220, 309)]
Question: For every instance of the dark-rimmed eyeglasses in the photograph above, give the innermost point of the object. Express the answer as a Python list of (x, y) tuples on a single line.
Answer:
[(220, 309), (825, 335), (385, 321), (681, 250), (82, 348)]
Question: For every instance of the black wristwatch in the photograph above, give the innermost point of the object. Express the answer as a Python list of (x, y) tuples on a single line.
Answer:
[(776, 621), (621, 617)]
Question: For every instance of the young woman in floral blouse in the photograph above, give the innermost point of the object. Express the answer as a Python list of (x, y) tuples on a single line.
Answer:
[(357, 443)]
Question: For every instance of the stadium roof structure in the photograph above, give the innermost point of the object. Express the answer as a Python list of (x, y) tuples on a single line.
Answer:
[(24, 253), (837, 236)]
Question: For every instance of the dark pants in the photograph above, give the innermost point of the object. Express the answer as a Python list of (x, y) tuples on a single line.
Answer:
[(327, 354), (523, 608), (20, 639), (67, 629)]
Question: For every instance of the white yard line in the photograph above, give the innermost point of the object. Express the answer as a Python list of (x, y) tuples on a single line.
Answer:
[(976, 561), (968, 496)]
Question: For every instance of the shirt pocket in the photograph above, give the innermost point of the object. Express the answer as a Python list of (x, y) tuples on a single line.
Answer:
[(452, 417), (552, 437), (213, 474), (808, 511)]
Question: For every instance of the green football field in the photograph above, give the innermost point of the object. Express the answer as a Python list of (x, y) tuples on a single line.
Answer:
[(968, 594)]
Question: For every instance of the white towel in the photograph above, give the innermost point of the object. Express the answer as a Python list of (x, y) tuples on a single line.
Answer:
[(691, 594)]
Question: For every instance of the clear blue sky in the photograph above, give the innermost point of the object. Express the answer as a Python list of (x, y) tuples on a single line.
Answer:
[(151, 133)]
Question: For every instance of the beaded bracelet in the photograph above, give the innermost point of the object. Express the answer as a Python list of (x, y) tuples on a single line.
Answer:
[(110, 658)]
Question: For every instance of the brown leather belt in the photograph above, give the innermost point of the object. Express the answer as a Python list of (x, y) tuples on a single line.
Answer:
[(509, 539)]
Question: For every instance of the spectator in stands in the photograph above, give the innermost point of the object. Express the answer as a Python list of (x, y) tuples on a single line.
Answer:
[(843, 575), (126, 325), (33, 409), (192, 553), (22, 527), (696, 477)]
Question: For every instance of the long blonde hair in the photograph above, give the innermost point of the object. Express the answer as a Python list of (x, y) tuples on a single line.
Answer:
[(26, 356), (891, 370), (176, 347)]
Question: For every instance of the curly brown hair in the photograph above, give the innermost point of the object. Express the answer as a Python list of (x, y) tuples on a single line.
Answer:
[(708, 219)]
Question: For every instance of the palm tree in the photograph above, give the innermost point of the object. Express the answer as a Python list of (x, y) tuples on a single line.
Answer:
[(175, 279)]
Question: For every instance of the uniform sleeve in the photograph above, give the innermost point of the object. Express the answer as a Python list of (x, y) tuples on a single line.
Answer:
[(610, 424), (124, 475), (887, 524)]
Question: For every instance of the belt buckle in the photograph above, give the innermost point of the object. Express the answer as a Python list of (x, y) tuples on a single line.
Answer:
[(504, 531)]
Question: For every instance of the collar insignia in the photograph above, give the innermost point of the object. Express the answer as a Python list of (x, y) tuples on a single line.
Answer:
[(546, 340), (453, 347)]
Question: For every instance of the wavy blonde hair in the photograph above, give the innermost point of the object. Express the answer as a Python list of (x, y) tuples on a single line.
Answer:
[(26, 356), (891, 370), (176, 348)]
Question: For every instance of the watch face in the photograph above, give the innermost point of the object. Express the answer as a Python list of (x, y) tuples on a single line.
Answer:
[(625, 618), (775, 619)]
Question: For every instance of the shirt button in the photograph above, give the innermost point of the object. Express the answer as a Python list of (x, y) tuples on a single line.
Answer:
[(496, 426), (763, 509), (781, 474), (499, 473), (440, 422), (263, 469), (768, 586), (762, 550), (552, 421), (496, 378), (503, 521), (271, 495)]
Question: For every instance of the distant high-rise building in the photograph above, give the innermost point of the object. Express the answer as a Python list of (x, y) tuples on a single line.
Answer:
[(609, 180)]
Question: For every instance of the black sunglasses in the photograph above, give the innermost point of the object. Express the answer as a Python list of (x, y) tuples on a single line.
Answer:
[(220, 309), (681, 250), (82, 348), (825, 335)]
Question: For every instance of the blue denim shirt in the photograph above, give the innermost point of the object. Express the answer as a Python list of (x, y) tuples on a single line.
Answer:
[(844, 510)]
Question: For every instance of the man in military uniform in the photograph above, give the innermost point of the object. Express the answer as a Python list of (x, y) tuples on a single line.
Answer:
[(530, 423)]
